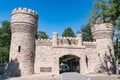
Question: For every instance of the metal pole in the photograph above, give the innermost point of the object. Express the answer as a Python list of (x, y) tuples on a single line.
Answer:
[(117, 36)]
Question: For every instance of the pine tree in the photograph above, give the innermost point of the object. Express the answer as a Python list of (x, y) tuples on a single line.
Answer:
[(68, 32), (86, 32)]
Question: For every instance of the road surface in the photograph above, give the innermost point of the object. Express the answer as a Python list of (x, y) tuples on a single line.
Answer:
[(77, 76), (65, 76)]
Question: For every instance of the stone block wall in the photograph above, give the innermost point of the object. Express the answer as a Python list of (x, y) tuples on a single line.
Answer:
[(43, 58), (48, 56)]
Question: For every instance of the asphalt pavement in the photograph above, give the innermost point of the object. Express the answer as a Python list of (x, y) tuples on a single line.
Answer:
[(65, 76), (77, 76)]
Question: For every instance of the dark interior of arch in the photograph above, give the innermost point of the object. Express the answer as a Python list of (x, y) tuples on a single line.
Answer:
[(69, 63)]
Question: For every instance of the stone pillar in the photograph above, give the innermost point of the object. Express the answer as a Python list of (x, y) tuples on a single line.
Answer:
[(83, 67), (56, 67), (55, 38), (22, 49), (79, 37)]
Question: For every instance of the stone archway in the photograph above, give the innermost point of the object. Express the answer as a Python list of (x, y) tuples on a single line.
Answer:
[(69, 63), (76, 52)]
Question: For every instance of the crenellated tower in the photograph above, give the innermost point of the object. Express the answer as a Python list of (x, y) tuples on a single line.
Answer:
[(22, 50), (103, 35)]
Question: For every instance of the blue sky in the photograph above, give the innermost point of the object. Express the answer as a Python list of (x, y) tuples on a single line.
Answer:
[(54, 15)]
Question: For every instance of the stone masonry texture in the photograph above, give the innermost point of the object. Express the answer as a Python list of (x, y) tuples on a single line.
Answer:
[(22, 51), (30, 56)]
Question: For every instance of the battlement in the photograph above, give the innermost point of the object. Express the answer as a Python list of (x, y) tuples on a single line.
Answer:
[(60, 41), (102, 26), (67, 37), (67, 40), (25, 11), (24, 20), (44, 42), (102, 30)]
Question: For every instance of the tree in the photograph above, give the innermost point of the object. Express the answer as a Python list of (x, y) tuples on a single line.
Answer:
[(41, 35), (68, 32), (5, 38), (107, 11), (86, 32), (114, 10), (100, 11)]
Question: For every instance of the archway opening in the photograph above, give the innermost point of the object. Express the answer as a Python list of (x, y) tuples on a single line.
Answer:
[(69, 63)]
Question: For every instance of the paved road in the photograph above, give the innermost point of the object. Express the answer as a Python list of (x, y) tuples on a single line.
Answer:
[(65, 76), (77, 76)]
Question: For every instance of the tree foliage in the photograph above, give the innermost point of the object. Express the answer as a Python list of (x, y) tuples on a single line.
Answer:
[(114, 11), (100, 11), (68, 32), (86, 32), (41, 35), (107, 11), (5, 37)]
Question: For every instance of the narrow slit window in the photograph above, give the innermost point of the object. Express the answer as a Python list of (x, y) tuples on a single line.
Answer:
[(19, 48), (87, 61)]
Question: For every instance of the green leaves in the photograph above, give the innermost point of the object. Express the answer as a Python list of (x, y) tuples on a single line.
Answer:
[(4, 54), (68, 32), (107, 11), (101, 11), (86, 32), (5, 37), (41, 35)]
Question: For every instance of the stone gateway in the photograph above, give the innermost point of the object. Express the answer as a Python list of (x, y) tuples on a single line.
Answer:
[(29, 56)]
